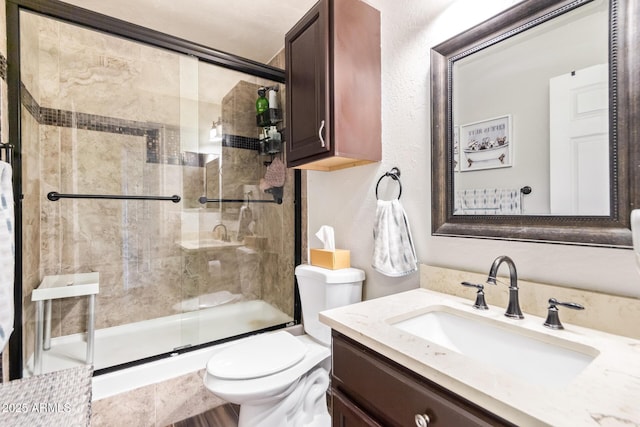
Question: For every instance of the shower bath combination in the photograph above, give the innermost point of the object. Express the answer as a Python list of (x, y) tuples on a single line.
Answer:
[(120, 178)]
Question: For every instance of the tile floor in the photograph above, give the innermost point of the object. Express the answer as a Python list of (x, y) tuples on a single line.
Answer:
[(222, 416)]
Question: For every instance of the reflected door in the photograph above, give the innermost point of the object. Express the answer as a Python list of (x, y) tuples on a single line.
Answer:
[(579, 142)]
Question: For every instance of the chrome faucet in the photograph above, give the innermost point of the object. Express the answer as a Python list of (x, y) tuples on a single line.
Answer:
[(225, 237), (513, 308)]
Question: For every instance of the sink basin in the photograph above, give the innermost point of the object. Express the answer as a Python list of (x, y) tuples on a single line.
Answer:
[(535, 357), (197, 244)]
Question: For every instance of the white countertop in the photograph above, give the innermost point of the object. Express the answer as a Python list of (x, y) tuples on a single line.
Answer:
[(606, 393)]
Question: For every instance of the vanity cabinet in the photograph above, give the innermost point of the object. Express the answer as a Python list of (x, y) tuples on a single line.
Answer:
[(371, 390), (333, 118)]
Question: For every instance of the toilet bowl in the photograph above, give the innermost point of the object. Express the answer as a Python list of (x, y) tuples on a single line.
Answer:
[(278, 379)]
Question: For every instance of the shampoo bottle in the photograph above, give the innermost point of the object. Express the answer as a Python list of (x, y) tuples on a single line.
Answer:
[(273, 97), (262, 104)]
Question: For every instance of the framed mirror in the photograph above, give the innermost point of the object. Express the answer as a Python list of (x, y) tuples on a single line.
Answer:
[(535, 124)]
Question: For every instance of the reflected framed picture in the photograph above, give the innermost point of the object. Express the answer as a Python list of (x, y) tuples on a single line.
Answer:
[(486, 144)]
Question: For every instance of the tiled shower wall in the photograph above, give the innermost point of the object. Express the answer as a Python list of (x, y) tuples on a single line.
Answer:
[(102, 118), (273, 253)]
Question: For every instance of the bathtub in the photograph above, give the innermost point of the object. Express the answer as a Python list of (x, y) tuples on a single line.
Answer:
[(123, 380), (139, 340)]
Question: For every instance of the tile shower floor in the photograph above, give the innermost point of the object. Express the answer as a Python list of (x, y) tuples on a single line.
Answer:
[(134, 341)]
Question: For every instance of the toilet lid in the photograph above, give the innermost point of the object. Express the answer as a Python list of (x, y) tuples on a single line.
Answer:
[(257, 356)]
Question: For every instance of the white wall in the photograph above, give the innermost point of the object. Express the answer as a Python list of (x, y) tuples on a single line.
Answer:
[(345, 199)]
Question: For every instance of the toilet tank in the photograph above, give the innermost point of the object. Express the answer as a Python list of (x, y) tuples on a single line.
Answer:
[(322, 289)]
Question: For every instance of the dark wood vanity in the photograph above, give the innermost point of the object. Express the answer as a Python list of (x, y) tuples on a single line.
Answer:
[(368, 389)]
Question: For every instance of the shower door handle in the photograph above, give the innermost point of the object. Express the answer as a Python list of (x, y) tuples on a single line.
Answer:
[(54, 196)]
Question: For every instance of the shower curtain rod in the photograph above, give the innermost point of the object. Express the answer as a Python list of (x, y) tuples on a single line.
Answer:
[(55, 196)]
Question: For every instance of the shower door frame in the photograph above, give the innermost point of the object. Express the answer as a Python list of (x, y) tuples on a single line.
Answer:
[(95, 21)]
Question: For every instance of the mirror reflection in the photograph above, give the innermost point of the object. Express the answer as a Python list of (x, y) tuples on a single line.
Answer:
[(530, 120)]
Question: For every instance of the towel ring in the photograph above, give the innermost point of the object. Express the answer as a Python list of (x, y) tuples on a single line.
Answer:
[(394, 174)]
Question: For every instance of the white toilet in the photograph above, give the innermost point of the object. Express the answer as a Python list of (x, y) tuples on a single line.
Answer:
[(278, 379)]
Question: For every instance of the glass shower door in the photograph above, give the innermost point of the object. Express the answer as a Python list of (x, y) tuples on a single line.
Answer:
[(151, 199)]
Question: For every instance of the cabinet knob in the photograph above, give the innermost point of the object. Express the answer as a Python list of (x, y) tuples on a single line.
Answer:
[(320, 134), (422, 420)]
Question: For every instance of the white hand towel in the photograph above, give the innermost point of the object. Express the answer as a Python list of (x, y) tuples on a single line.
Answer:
[(393, 251), (7, 254)]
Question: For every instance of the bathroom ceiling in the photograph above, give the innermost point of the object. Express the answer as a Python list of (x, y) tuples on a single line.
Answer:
[(236, 27), (248, 28)]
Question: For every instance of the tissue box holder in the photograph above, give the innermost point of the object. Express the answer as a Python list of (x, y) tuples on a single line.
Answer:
[(333, 260)]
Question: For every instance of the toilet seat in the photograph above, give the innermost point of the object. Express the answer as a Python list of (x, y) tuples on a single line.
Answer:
[(258, 356), (244, 390)]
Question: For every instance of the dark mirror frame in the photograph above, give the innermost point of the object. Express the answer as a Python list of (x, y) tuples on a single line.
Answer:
[(624, 102)]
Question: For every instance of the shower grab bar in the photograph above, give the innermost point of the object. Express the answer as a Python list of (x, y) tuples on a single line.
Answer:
[(204, 200), (55, 196)]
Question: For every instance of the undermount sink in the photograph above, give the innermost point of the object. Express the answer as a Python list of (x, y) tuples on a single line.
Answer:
[(533, 356)]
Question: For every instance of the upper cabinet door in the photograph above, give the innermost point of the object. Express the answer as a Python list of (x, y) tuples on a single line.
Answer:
[(333, 87), (307, 71)]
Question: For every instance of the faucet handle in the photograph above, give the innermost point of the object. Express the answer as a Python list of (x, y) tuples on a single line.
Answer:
[(480, 303), (553, 319)]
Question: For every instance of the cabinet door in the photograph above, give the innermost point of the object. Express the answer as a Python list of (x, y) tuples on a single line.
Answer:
[(307, 72), (345, 413), (394, 395)]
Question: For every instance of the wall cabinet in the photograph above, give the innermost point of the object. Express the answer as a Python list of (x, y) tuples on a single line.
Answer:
[(333, 118), (371, 390)]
